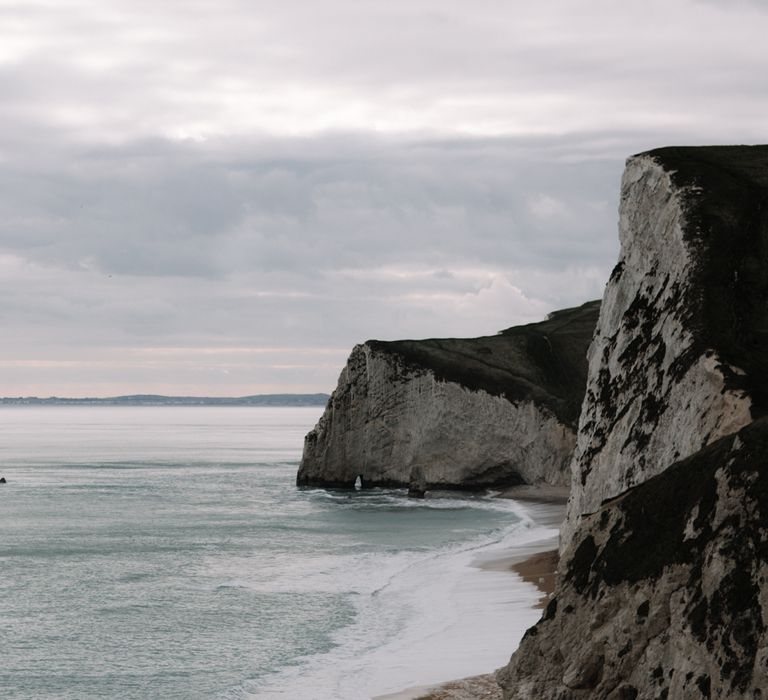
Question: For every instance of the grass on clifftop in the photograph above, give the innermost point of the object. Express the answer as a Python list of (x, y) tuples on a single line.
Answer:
[(543, 362)]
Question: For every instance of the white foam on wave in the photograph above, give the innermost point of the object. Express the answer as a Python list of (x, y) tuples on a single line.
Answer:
[(439, 500), (421, 618), (366, 573)]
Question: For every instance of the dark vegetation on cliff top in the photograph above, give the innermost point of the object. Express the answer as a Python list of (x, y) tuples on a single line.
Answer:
[(543, 362), (727, 221)]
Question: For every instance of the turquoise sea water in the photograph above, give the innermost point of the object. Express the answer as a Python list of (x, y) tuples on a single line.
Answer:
[(166, 553)]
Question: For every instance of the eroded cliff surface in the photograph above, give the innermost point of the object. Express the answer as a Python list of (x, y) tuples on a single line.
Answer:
[(662, 589), (665, 595), (679, 357), (456, 413)]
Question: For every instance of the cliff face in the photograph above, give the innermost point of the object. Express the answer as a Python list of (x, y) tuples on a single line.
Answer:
[(662, 584), (678, 322), (665, 595), (456, 413)]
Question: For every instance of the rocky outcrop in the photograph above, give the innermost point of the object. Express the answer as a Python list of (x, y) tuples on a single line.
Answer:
[(665, 595), (662, 589), (456, 413), (678, 357)]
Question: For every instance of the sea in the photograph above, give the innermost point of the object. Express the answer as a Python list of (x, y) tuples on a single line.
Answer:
[(165, 552)]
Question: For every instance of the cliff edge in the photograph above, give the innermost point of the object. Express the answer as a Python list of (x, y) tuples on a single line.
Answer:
[(662, 590), (456, 413), (680, 355)]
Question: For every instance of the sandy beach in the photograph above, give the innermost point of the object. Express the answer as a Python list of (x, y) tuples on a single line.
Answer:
[(534, 563)]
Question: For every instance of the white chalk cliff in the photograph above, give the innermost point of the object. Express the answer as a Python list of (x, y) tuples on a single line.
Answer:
[(456, 413), (657, 389), (662, 588)]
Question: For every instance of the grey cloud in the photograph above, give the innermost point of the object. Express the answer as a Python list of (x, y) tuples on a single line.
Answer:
[(264, 174), (132, 68), (189, 213)]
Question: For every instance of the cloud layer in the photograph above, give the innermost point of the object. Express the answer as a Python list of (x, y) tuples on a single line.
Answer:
[(224, 197)]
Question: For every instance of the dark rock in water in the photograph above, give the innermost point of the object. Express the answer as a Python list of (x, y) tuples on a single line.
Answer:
[(2, 480), (416, 492), (456, 413)]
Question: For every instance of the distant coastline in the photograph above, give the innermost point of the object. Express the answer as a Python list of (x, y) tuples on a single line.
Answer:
[(159, 400)]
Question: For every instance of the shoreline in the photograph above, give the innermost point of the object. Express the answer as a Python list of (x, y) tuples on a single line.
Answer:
[(534, 563)]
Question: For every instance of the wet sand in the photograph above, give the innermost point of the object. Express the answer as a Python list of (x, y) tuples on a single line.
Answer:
[(539, 570)]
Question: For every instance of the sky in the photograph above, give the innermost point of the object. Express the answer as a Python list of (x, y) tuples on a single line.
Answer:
[(222, 197)]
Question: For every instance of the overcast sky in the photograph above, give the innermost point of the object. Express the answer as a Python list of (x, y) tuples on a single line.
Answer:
[(223, 196)]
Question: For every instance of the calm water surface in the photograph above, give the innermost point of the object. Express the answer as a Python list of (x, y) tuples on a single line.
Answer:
[(166, 553)]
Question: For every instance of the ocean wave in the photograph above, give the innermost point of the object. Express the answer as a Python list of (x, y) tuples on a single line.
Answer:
[(418, 615)]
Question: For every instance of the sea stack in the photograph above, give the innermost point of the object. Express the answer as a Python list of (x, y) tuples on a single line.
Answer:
[(662, 588), (456, 413)]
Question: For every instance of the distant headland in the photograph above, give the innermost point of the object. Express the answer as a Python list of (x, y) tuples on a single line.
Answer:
[(158, 400)]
